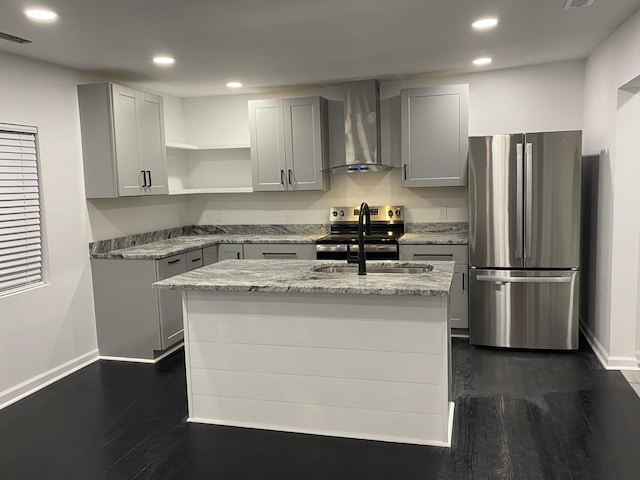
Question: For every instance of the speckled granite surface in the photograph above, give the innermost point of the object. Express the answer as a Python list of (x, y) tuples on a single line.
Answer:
[(164, 243), (441, 227), (435, 238), (103, 246), (175, 246), (298, 276)]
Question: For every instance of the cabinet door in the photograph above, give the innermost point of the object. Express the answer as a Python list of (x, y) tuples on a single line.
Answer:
[(170, 301), (434, 136), (152, 147), (279, 251), (230, 251), (305, 151), (209, 255), (267, 145), (125, 127), (459, 297)]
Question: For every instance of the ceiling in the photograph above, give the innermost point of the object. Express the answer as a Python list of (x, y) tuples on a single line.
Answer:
[(275, 43)]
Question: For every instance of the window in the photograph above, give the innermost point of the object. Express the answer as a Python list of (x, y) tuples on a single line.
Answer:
[(20, 244)]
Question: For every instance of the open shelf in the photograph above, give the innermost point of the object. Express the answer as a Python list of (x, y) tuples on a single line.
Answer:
[(188, 146), (191, 191), (209, 170)]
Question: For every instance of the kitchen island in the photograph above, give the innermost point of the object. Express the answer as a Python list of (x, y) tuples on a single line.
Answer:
[(282, 345)]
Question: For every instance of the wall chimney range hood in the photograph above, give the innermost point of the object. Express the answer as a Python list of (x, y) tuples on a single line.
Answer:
[(362, 128)]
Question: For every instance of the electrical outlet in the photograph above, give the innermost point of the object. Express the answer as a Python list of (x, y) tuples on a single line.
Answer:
[(288, 216), (442, 213), (217, 216)]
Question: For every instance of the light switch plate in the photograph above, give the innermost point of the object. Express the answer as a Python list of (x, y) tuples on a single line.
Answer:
[(217, 216), (442, 213), (288, 216)]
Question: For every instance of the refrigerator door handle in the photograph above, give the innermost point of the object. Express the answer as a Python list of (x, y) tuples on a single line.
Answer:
[(528, 160), (519, 203), (497, 279)]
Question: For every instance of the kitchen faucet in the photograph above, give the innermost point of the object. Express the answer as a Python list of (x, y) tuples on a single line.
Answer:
[(361, 258)]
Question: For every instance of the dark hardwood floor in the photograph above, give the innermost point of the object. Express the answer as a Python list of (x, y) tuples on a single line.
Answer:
[(519, 415)]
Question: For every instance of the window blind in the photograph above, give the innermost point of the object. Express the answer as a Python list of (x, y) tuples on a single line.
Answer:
[(20, 236)]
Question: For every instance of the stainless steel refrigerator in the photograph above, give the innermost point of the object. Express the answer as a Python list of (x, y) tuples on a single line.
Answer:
[(524, 240)]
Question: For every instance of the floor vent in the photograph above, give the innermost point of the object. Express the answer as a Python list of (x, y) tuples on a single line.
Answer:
[(13, 38), (577, 3)]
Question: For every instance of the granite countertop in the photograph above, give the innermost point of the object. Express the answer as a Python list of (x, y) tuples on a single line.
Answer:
[(435, 238), (174, 246), (298, 276)]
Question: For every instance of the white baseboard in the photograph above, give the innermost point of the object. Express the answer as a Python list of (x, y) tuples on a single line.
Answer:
[(144, 360), (609, 362), (22, 390)]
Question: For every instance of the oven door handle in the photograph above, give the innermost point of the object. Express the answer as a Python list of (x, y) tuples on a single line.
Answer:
[(375, 248)]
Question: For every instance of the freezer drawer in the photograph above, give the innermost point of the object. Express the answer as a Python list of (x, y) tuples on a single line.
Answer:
[(524, 308)]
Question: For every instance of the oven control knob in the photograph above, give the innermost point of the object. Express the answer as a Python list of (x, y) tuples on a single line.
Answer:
[(390, 212), (398, 212), (342, 213), (334, 213)]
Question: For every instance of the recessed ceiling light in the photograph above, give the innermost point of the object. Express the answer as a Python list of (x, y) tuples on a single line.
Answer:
[(163, 60), (41, 14), (485, 23), (234, 84), (482, 61)]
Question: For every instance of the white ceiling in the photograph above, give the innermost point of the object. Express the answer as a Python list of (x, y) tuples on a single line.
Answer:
[(272, 43)]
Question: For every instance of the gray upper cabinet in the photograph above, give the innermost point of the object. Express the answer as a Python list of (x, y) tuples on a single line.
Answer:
[(123, 144), (289, 144), (434, 135)]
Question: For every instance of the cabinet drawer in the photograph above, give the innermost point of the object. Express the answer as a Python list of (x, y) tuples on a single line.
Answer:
[(280, 251), (194, 259), (170, 266), (456, 253)]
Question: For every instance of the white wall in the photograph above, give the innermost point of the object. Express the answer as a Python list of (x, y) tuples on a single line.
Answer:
[(608, 114), (537, 98), (48, 326)]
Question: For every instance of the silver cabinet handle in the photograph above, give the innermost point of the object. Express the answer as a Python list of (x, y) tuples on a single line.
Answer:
[(491, 278), (173, 261), (144, 178), (282, 177), (519, 200), (529, 199), (404, 171), (238, 255), (196, 259), (463, 280), (149, 173)]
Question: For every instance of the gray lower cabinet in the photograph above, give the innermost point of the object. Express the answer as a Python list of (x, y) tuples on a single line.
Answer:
[(283, 251), (209, 255), (459, 296), (230, 251), (289, 144), (434, 136), (133, 320)]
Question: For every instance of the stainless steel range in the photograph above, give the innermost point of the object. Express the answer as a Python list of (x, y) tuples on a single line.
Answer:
[(387, 226)]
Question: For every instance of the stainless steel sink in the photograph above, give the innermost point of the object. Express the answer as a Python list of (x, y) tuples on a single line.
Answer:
[(354, 269)]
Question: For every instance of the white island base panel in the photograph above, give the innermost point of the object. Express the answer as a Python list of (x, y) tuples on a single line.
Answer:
[(361, 366)]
